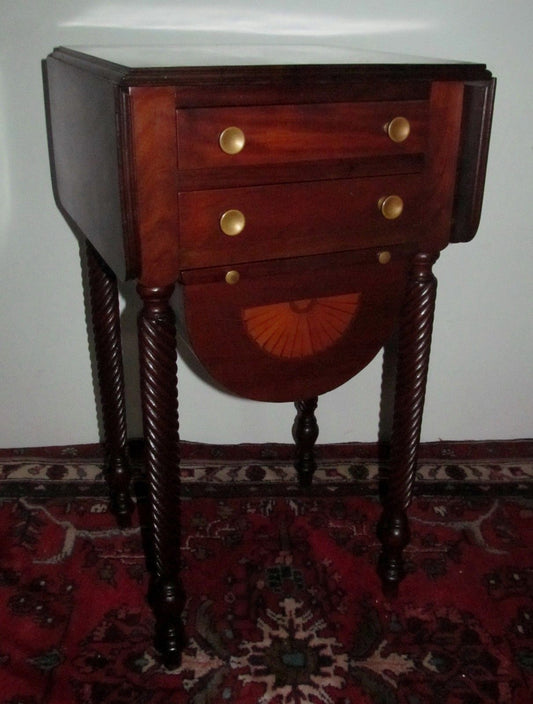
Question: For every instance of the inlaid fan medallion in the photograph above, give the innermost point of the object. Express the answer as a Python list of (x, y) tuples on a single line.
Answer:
[(301, 328)]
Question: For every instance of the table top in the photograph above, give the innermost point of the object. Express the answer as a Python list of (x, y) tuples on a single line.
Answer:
[(171, 62), (160, 56)]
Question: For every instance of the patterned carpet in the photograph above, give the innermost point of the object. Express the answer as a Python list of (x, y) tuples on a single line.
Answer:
[(284, 606)]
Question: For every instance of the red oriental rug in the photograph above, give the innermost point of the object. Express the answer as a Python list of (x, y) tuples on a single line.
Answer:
[(284, 605)]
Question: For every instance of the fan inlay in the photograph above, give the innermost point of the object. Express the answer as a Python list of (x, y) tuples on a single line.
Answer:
[(301, 328)]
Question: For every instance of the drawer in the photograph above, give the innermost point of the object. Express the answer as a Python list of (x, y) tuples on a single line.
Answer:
[(240, 136), (292, 328), (271, 222)]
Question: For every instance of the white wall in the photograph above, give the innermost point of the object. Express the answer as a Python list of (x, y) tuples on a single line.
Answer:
[(481, 381)]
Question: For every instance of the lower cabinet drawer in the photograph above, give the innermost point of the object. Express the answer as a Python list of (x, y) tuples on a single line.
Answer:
[(269, 222), (293, 328)]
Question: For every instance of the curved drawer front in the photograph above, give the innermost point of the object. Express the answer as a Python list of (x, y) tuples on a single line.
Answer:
[(270, 222), (290, 329), (271, 134)]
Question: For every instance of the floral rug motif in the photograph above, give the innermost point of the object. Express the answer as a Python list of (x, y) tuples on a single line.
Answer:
[(284, 605)]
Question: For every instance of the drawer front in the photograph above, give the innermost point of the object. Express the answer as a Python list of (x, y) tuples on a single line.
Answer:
[(218, 137), (270, 222)]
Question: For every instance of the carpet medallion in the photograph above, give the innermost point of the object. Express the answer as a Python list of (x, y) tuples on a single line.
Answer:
[(284, 605)]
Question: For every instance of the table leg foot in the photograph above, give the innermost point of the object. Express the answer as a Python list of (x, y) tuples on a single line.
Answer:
[(305, 433), (167, 601), (118, 479), (394, 534)]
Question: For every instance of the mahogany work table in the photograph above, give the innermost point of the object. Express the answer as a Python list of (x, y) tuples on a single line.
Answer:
[(296, 199)]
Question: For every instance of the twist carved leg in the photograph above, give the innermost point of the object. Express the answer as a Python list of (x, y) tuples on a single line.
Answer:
[(411, 376), (305, 433), (158, 370), (103, 295)]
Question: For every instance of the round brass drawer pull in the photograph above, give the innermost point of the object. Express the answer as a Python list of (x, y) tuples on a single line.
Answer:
[(232, 222), (398, 129), (232, 277), (391, 207), (384, 257), (232, 140)]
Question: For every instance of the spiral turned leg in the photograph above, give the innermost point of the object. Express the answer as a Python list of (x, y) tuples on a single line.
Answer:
[(157, 345), (305, 433), (103, 295), (411, 376)]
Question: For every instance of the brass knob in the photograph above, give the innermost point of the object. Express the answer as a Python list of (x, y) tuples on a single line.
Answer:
[(384, 257), (391, 207), (398, 129), (232, 140), (232, 222), (232, 277)]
